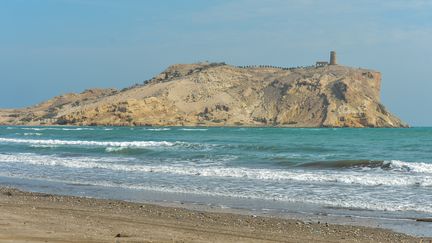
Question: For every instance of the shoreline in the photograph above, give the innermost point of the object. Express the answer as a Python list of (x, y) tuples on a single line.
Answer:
[(29, 216), (198, 126)]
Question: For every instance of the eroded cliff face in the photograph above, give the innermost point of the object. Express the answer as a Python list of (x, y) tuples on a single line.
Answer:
[(223, 95)]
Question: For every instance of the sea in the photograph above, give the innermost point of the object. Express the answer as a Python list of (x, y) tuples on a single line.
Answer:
[(371, 176)]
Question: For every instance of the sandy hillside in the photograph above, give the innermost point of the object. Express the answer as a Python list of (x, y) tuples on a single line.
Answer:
[(216, 94)]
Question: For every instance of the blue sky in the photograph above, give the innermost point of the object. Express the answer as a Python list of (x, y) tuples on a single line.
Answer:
[(49, 47)]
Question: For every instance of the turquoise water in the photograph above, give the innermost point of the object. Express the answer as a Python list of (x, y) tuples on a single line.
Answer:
[(362, 169)]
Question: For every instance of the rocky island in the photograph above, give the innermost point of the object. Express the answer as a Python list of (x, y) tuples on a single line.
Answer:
[(217, 94)]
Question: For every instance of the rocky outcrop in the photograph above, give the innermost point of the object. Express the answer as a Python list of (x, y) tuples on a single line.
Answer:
[(217, 94)]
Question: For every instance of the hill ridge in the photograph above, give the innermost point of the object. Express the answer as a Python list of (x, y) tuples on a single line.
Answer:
[(218, 94)]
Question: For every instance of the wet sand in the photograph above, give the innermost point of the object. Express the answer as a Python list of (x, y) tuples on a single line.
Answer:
[(37, 217)]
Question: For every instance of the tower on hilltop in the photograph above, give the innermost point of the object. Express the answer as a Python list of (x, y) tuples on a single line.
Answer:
[(333, 58)]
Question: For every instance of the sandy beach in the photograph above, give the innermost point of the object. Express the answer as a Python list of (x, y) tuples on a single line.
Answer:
[(36, 217)]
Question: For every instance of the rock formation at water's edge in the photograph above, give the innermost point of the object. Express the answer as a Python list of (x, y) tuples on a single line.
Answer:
[(216, 94)]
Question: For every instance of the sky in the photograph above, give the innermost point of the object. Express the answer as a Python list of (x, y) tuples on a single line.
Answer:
[(51, 47)]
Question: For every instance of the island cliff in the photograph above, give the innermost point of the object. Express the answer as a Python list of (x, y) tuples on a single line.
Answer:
[(216, 94)]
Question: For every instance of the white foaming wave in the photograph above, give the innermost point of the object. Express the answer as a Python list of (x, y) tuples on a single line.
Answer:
[(115, 149), (193, 129), (43, 146), (33, 128), (320, 177), (70, 162), (32, 134), (129, 144), (57, 128), (345, 202), (418, 167), (77, 129), (159, 129), (95, 163), (359, 178), (341, 203)]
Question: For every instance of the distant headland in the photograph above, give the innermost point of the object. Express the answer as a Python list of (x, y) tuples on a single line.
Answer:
[(216, 94)]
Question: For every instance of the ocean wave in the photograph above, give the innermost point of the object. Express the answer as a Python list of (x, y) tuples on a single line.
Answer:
[(77, 129), (337, 164), (391, 165), (159, 129), (50, 160), (183, 169), (129, 144), (193, 129), (33, 128), (58, 128), (29, 134), (115, 149), (343, 203), (43, 146), (347, 202), (121, 144), (418, 167), (108, 163), (65, 128), (32, 134)]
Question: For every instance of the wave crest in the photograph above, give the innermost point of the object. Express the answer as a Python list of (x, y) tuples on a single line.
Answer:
[(418, 167), (128, 144), (391, 165), (317, 177)]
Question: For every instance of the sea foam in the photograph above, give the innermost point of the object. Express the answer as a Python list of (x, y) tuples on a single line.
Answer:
[(159, 129), (347, 202), (315, 177), (418, 167), (194, 129), (129, 144), (58, 128)]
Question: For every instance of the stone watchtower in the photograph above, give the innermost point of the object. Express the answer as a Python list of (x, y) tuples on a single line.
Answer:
[(333, 58)]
